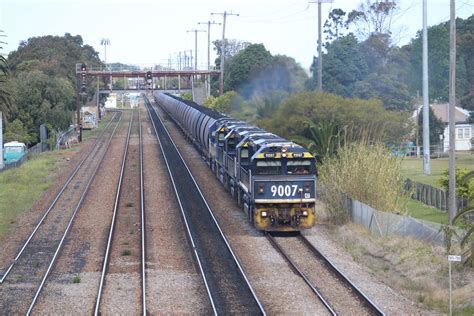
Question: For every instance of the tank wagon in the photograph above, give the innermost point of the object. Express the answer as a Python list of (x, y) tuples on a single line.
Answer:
[(271, 178)]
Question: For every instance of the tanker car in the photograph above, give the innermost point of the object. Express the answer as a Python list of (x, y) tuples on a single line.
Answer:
[(272, 179)]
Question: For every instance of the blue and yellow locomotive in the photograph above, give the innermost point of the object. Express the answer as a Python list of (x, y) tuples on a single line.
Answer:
[(271, 178)]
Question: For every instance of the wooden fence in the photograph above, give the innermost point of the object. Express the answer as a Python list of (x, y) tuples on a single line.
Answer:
[(431, 196)]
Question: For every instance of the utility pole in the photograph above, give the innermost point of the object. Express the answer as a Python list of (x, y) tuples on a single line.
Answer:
[(426, 105), (452, 104), (320, 36), (221, 78), (208, 78), (195, 45)]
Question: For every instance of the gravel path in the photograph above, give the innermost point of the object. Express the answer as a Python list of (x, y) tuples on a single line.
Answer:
[(173, 284), (84, 249)]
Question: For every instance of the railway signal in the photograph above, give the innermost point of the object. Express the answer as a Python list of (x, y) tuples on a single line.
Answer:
[(84, 77)]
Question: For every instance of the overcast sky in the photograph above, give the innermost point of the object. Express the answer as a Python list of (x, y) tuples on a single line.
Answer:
[(146, 31)]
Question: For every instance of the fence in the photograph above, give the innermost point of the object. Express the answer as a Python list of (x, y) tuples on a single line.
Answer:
[(36, 149), (385, 223), (431, 196)]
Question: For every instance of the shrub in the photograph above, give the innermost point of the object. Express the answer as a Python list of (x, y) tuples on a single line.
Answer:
[(76, 279), (364, 172)]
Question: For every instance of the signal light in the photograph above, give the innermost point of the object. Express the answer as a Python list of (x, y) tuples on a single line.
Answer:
[(83, 67), (149, 75)]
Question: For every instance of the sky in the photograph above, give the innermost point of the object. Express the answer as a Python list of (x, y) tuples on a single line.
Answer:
[(146, 32)]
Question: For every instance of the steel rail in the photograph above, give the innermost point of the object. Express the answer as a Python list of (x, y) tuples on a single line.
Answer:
[(371, 305), (112, 224), (186, 224), (213, 217), (71, 220), (71, 176), (142, 212), (301, 274)]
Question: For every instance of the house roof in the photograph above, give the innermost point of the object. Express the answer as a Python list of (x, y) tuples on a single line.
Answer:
[(441, 111)]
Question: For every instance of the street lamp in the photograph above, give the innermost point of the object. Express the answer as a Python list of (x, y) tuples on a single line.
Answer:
[(105, 42)]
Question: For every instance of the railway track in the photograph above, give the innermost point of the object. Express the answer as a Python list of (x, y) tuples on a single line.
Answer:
[(125, 250), (27, 274), (336, 292), (227, 286)]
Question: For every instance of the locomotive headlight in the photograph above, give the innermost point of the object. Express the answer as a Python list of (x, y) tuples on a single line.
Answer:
[(305, 213), (261, 189), (264, 214)]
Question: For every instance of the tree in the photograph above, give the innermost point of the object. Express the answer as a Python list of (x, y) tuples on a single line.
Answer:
[(300, 111), (43, 99), (335, 24), (373, 17), (436, 127), (244, 66), (16, 131), (6, 104), (438, 64), (232, 48), (344, 65)]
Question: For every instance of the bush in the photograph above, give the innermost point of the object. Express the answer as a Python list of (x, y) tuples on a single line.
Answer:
[(364, 172), (76, 279)]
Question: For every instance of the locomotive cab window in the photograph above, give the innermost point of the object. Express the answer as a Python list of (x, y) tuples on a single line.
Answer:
[(268, 167), (244, 153), (298, 167)]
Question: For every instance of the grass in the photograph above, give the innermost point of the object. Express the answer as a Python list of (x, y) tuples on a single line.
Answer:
[(414, 268), (76, 279), (412, 168), (419, 210), (22, 186)]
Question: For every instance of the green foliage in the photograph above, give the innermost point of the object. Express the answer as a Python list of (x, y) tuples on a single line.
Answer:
[(438, 62), (326, 138), (187, 96), (298, 112), (335, 24), (465, 188), (244, 65), (53, 55), (17, 131), (226, 103), (464, 183), (43, 99), (76, 279), (344, 65), (372, 17), (43, 81), (364, 171), (6, 102), (435, 124)]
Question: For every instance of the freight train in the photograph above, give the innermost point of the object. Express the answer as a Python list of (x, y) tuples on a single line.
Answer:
[(271, 178)]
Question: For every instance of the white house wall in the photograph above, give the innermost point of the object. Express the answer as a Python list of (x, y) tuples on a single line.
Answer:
[(464, 133)]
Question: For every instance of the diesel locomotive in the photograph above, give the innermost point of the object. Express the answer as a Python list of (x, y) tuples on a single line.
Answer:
[(271, 178)]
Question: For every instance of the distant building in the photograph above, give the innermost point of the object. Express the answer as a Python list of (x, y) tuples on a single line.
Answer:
[(464, 129), (111, 101)]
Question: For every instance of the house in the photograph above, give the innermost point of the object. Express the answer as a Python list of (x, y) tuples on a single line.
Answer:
[(464, 130)]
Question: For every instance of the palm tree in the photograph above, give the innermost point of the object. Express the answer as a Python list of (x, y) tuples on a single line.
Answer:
[(5, 96), (468, 237)]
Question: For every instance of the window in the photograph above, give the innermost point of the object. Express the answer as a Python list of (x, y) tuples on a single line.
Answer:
[(13, 150), (466, 133), (298, 167), (459, 133), (268, 167)]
